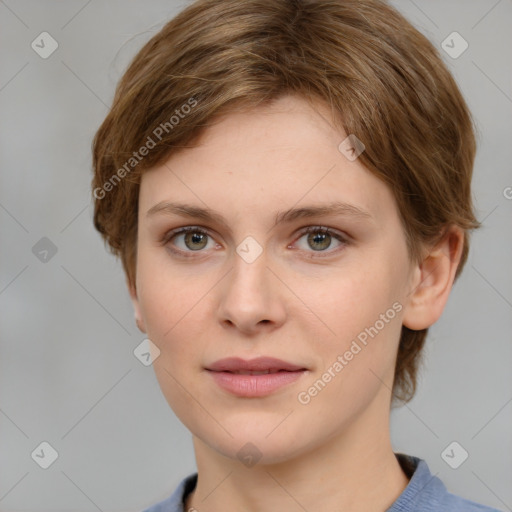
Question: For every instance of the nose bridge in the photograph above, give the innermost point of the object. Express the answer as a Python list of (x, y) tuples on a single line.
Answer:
[(249, 277), (249, 261), (249, 298)]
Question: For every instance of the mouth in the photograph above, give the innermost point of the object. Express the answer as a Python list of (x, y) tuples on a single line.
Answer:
[(254, 372), (254, 378), (260, 364)]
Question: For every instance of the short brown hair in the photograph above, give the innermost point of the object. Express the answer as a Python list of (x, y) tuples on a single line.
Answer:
[(382, 79)]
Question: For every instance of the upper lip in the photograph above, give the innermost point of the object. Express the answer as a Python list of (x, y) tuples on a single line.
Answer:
[(233, 364)]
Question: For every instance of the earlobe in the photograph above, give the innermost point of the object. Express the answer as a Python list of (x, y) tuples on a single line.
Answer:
[(136, 307), (433, 280)]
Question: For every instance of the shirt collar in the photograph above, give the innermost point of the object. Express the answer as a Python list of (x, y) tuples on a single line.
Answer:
[(424, 490)]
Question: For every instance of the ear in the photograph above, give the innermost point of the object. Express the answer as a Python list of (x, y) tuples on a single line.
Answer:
[(432, 281), (136, 306)]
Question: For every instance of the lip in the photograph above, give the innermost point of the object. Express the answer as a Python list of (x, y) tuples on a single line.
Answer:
[(226, 374), (236, 364)]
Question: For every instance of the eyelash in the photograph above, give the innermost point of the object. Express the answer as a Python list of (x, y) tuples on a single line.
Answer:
[(309, 229)]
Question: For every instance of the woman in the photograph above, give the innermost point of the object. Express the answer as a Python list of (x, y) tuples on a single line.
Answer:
[(287, 184)]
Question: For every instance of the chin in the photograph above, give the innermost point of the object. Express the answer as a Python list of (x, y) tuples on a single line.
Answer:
[(252, 445)]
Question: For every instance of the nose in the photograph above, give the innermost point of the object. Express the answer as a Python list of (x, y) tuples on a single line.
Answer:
[(251, 297)]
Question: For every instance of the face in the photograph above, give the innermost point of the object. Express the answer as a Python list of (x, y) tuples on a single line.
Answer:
[(322, 290)]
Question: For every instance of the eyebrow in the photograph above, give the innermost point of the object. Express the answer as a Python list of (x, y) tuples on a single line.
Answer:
[(206, 214)]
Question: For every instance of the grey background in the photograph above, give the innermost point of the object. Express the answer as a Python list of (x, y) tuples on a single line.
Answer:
[(68, 375)]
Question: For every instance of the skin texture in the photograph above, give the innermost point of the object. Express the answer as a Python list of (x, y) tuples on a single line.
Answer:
[(293, 302)]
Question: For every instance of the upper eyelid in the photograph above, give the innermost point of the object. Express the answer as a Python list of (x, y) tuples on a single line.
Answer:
[(338, 235), (169, 235)]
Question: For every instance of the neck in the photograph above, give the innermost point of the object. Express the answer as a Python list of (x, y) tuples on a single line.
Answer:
[(355, 470)]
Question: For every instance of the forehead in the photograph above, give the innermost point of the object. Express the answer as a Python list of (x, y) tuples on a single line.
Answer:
[(273, 156)]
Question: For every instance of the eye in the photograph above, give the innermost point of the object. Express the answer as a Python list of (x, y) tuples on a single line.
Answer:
[(319, 239), (188, 239), (193, 239)]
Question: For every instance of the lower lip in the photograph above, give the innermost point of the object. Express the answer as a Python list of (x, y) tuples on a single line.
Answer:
[(254, 385)]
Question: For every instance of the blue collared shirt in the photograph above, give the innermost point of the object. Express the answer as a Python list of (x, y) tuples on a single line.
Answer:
[(424, 493)]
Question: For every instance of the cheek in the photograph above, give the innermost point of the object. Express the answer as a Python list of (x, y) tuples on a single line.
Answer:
[(353, 298), (167, 294), (173, 308), (176, 307), (362, 307), (354, 364)]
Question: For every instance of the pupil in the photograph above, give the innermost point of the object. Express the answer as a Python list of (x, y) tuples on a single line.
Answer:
[(195, 238), (322, 238)]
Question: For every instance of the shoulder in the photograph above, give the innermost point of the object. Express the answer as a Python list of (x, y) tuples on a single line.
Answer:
[(451, 502), (427, 493), (174, 503)]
